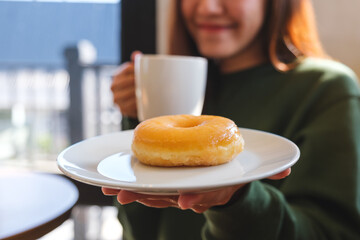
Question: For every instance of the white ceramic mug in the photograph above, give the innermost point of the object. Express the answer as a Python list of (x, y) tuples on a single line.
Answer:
[(169, 85)]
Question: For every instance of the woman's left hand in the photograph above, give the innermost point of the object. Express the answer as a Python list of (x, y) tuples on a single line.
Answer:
[(198, 202)]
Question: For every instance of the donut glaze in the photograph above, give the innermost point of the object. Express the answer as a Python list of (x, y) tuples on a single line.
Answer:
[(186, 140)]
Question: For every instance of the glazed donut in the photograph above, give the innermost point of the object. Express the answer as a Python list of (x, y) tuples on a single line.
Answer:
[(186, 140)]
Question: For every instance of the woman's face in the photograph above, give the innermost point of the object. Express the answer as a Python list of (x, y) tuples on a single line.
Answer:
[(224, 28)]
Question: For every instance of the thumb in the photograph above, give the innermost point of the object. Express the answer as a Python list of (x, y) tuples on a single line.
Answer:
[(134, 54)]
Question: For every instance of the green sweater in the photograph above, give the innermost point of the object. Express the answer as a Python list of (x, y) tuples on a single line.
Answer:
[(316, 105)]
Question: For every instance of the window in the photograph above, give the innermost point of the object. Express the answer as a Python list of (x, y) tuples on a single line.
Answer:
[(34, 97)]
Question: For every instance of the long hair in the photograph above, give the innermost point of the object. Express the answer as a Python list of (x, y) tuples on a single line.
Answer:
[(289, 33)]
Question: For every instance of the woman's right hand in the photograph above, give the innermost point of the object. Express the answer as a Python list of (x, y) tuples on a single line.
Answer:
[(123, 88)]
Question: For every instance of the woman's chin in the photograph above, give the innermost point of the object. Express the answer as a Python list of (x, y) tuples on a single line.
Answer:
[(215, 54), (215, 51)]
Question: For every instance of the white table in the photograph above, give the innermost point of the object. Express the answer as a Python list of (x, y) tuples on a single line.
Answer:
[(33, 204)]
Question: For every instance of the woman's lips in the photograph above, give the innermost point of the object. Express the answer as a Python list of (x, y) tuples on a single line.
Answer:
[(214, 27)]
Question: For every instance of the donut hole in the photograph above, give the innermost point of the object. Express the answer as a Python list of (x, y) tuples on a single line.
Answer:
[(187, 124)]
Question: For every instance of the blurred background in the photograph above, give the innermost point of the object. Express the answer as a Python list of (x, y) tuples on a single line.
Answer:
[(56, 62), (39, 40), (43, 46)]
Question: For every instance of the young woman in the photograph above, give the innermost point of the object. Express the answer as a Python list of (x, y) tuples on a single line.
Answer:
[(267, 71)]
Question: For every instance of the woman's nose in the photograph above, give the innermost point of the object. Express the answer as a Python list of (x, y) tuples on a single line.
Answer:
[(210, 7)]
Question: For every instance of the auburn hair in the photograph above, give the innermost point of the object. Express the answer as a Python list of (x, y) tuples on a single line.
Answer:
[(289, 33)]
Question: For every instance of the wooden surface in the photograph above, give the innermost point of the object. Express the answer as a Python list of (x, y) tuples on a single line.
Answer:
[(33, 204)]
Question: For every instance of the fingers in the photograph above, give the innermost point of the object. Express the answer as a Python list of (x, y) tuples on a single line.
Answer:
[(124, 69), (110, 191), (198, 203), (281, 175), (188, 201), (123, 77), (127, 107), (125, 197), (203, 201), (123, 88), (157, 201), (134, 54), (200, 209), (126, 100), (124, 94), (160, 202)]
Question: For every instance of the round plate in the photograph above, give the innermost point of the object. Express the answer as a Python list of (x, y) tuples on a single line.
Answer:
[(107, 161)]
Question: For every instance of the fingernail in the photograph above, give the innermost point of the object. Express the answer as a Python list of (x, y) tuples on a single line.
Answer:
[(185, 202)]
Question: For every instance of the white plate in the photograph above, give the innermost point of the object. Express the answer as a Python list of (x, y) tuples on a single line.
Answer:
[(107, 161)]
